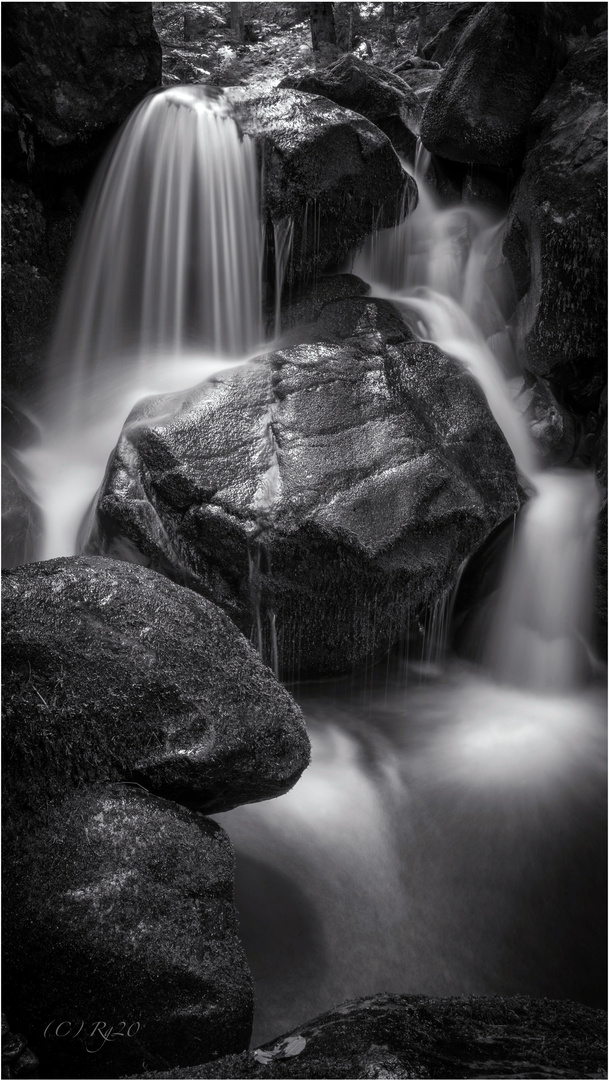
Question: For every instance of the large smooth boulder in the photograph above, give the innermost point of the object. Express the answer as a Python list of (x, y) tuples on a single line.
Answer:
[(331, 171), (500, 69), (556, 233), (112, 672), (121, 944), (71, 74), (405, 1037), (323, 495), (372, 91)]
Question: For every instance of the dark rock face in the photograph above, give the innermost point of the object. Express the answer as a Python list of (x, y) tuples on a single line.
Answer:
[(21, 518), (499, 71), (403, 1036), (120, 910), (422, 82), (74, 73), (322, 495), (384, 98), (441, 46), (112, 672), (35, 246), (331, 170), (556, 232)]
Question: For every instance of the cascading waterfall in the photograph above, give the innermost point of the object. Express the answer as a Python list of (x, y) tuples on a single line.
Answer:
[(443, 267), (407, 857), (169, 254), (164, 288)]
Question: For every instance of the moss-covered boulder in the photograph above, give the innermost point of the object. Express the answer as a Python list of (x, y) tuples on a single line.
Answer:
[(329, 170), (408, 1037), (112, 672), (323, 495), (121, 947), (381, 96), (499, 70)]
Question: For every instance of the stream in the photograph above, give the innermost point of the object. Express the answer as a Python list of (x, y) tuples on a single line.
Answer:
[(449, 836)]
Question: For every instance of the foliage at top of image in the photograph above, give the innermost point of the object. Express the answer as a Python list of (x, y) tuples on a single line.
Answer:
[(253, 43)]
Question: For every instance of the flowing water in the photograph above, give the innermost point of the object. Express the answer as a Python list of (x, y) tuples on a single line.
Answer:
[(449, 835), (164, 288)]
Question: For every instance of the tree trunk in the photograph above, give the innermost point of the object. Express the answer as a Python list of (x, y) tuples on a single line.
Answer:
[(389, 23), (422, 29), (237, 22), (323, 33)]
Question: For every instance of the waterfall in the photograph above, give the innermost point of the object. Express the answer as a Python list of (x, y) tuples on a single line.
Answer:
[(164, 288), (443, 268), (169, 254)]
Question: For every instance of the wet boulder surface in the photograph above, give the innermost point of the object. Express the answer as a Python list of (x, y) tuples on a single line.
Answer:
[(403, 1036), (121, 940), (498, 72), (330, 170), (112, 672), (381, 96), (324, 494)]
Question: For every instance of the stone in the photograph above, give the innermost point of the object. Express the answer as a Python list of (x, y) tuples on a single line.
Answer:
[(500, 69), (555, 239), (329, 169), (112, 672), (381, 96), (422, 82), (403, 1037), (119, 911), (441, 46), (22, 526), (323, 495), (72, 75)]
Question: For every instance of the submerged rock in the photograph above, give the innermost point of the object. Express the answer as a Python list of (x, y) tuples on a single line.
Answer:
[(119, 916), (71, 74), (402, 1036), (331, 171), (112, 672), (500, 69), (381, 96), (323, 494), (556, 233)]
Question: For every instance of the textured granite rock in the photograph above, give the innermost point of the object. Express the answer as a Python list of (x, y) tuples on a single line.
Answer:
[(118, 911), (406, 1037), (500, 69), (112, 672), (72, 73), (327, 168), (384, 98), (323, 495)]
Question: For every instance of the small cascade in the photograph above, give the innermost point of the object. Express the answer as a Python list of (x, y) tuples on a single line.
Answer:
[(542, 624), (443, 267), (169, 254), (167, 265)]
